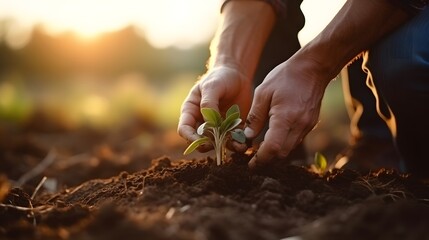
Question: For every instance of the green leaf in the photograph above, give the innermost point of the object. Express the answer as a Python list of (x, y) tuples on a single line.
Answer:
[(228, 121), (238, 135), (231, 121), (229, 125), (201, 128), (234, 109), (320, 161), (212, 116), (195, 144)]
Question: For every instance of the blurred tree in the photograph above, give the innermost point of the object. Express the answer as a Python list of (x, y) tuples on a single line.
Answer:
[(108, 56)]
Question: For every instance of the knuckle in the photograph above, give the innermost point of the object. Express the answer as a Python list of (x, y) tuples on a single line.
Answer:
[(273, 148), (206, 84), (205, 102), (252, 118), (283, 154), (291, 114), (184, 136), (179, 130), (276, 149), (260, 91), (307, 123)]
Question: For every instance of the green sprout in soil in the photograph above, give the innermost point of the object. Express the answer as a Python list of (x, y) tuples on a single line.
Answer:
[(320, 165), (217, 131)]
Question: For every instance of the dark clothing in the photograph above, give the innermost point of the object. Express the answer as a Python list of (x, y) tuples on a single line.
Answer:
[(410, 6), (281, 45), (371, 145), (283, 41), (368, 123), (399, 64), (279, 6)]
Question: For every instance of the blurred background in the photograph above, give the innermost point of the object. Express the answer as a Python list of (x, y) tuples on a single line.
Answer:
[(107, 78)]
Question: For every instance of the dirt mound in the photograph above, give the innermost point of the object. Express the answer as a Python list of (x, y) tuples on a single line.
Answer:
[(195, 199)]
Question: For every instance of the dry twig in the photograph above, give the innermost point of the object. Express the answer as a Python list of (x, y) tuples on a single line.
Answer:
[(45, 163), (38, 187)]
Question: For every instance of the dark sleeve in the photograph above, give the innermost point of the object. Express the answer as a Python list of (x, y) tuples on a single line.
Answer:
[(279, 6), (411, 6), (283, 40)]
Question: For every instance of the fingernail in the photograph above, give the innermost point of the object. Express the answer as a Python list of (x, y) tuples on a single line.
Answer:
[(249, 132)]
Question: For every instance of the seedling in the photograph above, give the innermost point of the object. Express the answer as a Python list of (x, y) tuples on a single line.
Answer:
[(217, 131), (320, 164)]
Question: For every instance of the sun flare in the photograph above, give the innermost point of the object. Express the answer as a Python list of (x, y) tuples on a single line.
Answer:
[(163, 22)]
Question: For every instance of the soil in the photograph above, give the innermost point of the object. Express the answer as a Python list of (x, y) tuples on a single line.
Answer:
[(114, 193)]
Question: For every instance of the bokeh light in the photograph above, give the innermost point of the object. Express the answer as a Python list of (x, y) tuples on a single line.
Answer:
[(116, 67), (164, 22)]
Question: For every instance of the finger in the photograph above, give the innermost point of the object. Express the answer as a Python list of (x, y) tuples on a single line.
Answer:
[(304, 133), (190, 115), (274, 140), (258, 113), (292, 140), (189, 133), (280, 139), (303, 126), (187, 124), (238, 147)]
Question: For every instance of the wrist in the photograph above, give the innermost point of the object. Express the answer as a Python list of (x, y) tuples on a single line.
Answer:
[(356, 27), (317, 63), (228, 64), (226, 61), (235, 44)]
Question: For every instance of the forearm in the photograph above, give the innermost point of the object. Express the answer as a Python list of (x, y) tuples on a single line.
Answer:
[(241, 36), (357, 26)]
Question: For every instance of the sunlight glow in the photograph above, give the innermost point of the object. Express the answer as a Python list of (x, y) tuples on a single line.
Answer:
[(164, 22), (317, 15), (7, 93), (95, 106)]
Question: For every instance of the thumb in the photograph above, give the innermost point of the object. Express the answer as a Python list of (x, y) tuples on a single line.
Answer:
[(257, 116)]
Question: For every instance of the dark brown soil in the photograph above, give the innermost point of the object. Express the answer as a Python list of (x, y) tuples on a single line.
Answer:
[(195, 199)]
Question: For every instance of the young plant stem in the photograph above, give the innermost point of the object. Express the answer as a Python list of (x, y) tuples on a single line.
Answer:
[(223, 146), (218, 148), (218, 156), (223, 152), (217, 131)]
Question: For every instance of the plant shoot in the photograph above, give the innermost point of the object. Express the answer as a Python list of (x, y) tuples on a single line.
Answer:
[(217, 131)]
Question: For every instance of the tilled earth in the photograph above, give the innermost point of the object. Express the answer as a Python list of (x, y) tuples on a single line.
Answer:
[(195, 199)]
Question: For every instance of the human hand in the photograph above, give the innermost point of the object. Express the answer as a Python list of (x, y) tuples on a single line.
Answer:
[(290, 98), (219, 88)]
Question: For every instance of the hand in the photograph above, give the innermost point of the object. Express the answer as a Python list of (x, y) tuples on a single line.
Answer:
[(290, 98), (219, 88)]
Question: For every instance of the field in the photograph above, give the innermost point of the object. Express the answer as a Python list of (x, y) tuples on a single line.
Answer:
[(117, 191), (88, 150)]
